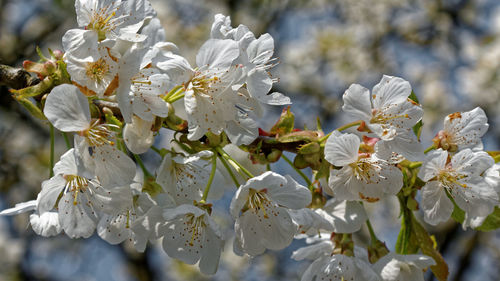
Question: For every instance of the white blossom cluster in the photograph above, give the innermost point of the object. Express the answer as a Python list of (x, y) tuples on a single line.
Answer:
[(119, 55)]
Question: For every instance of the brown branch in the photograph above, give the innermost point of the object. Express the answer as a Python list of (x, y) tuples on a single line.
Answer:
[(16, 78)]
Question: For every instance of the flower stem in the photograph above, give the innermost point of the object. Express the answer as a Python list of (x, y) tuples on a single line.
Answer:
[(414, 165), (66, 139), (429, 149), (155, 149), (210, 179), (340, 129), (52, 137), (231, 174), (231, 160), (141, 164), (306, 179)]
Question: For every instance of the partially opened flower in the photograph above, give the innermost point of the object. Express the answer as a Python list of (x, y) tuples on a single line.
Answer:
[(388, 113), (363, 176), (461, 178), (68, 110), (260, 208), (394, 267), (329, 266)]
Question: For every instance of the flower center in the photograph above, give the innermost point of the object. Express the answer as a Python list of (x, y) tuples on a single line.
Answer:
[(103, 20), (379, 117), (99, 134), (258, 201), (76, 184), (204, 84), (97, 70), (195, 225), (450, 178)]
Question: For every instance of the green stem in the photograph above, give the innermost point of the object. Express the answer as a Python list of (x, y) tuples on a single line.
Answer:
[(52, 138), (172, 92), (155, 149), (175, 98), (231, 174), (306, 179), (347, 126), (414, 165), (231, 160), (340, 129), (210, 179), (370, 228), (66, 139), (141, 164), (268, 167), (429, 149)]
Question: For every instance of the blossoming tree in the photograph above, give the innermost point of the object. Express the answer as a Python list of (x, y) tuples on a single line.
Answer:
[(114, 87)]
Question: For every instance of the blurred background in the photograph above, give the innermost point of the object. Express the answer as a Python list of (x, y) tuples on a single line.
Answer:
[(449, 50)]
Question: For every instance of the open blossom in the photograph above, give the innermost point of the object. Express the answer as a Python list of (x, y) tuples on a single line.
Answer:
[(256, 57), (191, 235), (394, 267), (388, 113), (363, 176), (82, 198), (461, 178), (260, 208), (463, 130), (329, 266), (185, 177), (68, 110)]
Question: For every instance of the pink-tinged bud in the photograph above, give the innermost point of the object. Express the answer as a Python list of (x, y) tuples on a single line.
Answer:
[(35, 67), (58, 54), (49, 67)]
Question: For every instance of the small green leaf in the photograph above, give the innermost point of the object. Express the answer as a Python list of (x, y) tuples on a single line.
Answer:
[(285, 124)]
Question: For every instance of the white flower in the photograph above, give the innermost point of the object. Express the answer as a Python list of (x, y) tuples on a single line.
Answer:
[(96, 68), (394, 267), (191, 235), (363, 176), (492, 177), (461, 179), (77, 198), (256, 56), (185, 178), (137, 223), (329, 266), (138, 135), (336, 216), (112, 18), (140, 87), (260, 208), (463, 130), (68, 110), (390, 114)]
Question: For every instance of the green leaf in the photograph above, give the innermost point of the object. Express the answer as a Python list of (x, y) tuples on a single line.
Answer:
[(413, 97), (427, 245), (417, 129)]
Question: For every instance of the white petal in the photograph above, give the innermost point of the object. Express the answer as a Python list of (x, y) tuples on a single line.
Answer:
[(390, 90), (436, 205), (67, 109), (435, 161), (292, 195), (342, 149), (46, 224), (314, 251), (50, 192), (20, 208), (77, 220), (346, 216), (217, 53), (467, 128), (138, 136), (112, 166), (357, 102)]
